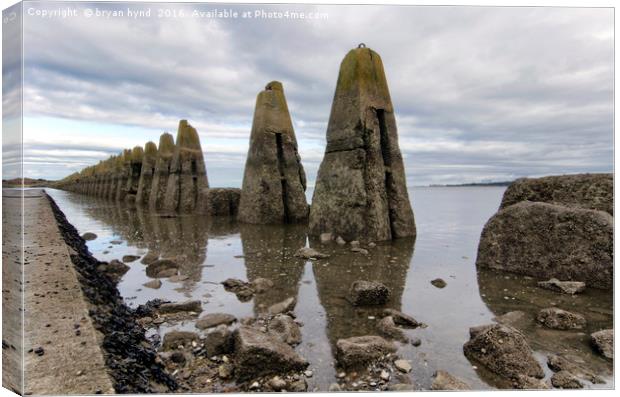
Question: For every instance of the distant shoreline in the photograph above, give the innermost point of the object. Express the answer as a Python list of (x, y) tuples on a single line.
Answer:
[(500, 183)]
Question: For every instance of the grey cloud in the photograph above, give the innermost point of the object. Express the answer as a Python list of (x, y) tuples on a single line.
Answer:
[(537, 83)]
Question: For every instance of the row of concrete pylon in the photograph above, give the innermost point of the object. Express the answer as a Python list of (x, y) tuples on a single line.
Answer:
[(168, 177), (360, 192)]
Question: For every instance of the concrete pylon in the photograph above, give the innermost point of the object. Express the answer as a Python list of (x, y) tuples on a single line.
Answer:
[(123, 175), (274, 181), (133, 173), (146, 175), (163, 164), (361, 189), (188, 174)]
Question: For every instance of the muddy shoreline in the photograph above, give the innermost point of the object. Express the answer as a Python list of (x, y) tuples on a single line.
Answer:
[(129, 355)]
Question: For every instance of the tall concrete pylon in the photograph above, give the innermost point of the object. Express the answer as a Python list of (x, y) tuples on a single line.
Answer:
[(188, 173), (165, 151), (274, 181), (361, 189), (146, 174)]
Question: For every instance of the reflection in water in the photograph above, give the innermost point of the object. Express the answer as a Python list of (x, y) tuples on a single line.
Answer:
[(269, 252), (387, 263), (505, 292), (181, 238)]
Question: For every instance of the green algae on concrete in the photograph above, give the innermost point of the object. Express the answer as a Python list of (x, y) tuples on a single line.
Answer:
[(274, 181), (188, 173), (361, 189)]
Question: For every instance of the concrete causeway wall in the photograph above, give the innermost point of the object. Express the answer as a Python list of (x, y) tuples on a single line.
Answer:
[(62, 353)]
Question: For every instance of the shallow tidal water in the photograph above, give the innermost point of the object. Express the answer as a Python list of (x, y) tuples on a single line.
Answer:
[(449, 221)]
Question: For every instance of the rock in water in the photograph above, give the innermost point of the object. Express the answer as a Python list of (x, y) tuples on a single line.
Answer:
[(88, 236), (188, 174), (274, 182), (387, 327), (446, 381), (163, 164), (285, 306), (603, 341), (565, 287), (146, 175), (401, 318), (504, 351), (546, 240), (361, 189), (307, 253), (566, 380), (285, 329), (187, 306), (258, 353), (555, 318), (214, 319), (587, 191), (368, 293), (361, 350)]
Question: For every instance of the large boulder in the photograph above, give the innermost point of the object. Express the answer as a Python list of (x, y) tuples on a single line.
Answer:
[(360, 350), (361, 187), (504, 351), (546, 240), (258, 353), (587, 191)]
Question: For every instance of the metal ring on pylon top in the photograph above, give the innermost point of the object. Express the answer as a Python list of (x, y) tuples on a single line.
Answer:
[(361, 45)]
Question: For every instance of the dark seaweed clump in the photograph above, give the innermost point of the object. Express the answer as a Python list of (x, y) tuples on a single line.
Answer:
[(128, 354)]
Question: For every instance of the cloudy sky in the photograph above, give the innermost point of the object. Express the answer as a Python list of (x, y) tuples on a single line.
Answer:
[(480, 93)]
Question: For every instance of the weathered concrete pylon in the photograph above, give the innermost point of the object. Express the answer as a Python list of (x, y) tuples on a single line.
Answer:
[(133, 173), (274, 181), (361, 190), (188, 174), (146, 175), (105, 180), (122, 175), (117, 167), (163, 164)]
